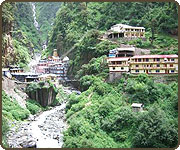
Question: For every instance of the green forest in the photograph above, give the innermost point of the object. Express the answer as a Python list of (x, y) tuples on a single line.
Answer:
[(101, 116)]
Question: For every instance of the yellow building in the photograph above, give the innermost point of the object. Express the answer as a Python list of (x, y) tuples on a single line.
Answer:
[(122, 30), (150, 64), (154, 64)]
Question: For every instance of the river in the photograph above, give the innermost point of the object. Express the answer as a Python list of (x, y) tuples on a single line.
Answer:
[(42, 131)]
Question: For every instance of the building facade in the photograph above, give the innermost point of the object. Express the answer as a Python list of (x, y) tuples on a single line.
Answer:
[(154, 64), (149, 64), (122, 30)]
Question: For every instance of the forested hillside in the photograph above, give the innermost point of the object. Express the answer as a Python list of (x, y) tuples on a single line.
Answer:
[(75, 21), (101, 117), (20, 37), (46, 13)]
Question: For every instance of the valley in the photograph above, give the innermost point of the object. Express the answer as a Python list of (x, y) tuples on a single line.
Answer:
[(90, 75)]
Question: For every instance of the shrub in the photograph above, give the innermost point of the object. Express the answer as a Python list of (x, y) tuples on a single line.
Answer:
[(33, 106)]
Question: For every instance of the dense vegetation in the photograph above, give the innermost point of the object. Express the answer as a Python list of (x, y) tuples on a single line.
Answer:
[(20, 37), (11, 110), (101, 117), (46, 12), (19, 34), (82, 25)]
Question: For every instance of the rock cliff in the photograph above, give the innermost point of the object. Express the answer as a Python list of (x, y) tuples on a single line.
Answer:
[(43, 92)]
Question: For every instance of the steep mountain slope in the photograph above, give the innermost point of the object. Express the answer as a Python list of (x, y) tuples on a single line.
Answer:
[(8, 52), (101, 117), (20, 37), (75, 20), (46, 13)]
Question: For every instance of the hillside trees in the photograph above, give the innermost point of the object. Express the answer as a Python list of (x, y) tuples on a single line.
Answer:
[(45, 14), (105, 110), (155, 130), (76, 20)]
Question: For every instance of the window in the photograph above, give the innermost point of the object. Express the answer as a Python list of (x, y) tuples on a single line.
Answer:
[(147, 65), (132, 29), (172, 59), (113, 62), (171, 65), (158, 59), (137, 70), (114, 68), (147, 59), (149, 71), (158, 65), (150, 65), (172, 71), (139, 60), (122, 68), (119, 62), (137, 65), (157, 71)]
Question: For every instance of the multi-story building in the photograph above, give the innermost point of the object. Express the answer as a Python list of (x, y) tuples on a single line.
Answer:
[(122, 30), (154, 64), (122, 52), (57, 69), (150, 64), (117, 66), (41, 66)]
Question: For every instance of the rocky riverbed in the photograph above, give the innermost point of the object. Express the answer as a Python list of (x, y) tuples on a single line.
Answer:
[(42, 131)]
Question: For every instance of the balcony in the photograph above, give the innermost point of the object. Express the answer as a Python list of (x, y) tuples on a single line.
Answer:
[(152, 68), (154, 62), (118, 65)]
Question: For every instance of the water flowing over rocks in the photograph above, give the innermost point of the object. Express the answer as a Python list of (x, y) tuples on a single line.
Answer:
[(42, 131), (34, 15)]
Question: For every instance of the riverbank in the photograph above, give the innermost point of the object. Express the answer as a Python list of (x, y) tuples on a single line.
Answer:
[(44, 130)]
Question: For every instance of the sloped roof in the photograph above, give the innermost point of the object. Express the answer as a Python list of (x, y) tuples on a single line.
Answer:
[(66, 59), (137, 105), (118, 58)]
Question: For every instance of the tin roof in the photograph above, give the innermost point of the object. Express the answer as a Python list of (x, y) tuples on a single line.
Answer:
[(137, 105), (118, 59)]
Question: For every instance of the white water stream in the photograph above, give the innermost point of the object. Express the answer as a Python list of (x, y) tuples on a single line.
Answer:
[(36, 132), (45, 130), (34, 15)]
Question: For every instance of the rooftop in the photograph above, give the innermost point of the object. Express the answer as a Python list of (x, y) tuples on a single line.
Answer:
[(118, 59), (137, 105), (127, 26)]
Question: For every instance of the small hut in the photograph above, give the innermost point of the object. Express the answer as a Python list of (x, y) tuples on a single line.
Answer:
[(137, 107)]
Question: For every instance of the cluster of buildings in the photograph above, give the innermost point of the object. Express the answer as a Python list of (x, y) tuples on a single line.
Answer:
[(48, 69), (53, 65), (123, 60)]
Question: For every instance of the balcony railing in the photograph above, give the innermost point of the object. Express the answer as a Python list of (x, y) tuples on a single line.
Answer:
[(152, 68)]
